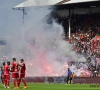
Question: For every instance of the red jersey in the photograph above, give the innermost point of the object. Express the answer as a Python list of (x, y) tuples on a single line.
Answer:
[(6, 70), (12, 66), (23, 68), (15, 68)]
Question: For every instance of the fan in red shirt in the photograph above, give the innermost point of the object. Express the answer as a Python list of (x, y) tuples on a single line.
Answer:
[(22, 73), (15, 73), (7, 74)]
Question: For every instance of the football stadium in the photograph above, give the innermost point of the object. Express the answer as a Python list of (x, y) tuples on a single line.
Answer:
[(50, 44)]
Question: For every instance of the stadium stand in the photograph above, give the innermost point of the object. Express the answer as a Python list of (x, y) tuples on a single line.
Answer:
[(85, 31)]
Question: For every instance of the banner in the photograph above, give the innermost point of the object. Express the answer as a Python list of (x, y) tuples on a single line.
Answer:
[(62, 80), (86, 80), (55, 80), (97, 37), (35, 79)]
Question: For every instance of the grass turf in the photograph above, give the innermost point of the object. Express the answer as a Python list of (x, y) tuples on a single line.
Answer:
[(32, 86)]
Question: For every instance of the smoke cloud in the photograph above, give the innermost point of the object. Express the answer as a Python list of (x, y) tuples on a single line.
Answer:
[(43, 48)]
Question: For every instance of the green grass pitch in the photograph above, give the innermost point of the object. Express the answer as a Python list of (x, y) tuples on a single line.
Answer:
[(32, 86)]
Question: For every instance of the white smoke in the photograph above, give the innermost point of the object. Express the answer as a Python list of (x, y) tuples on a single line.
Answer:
[(43, 49)]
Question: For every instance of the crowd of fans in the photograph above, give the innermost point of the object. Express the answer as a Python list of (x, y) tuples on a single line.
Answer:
[(84, 29)]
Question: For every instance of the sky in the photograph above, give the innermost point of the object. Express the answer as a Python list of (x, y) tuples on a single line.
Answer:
[(9, 19)]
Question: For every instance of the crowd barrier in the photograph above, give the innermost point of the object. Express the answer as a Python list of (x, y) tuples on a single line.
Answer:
[(35, 79), (46, 79), (80, 80), (87, 80)]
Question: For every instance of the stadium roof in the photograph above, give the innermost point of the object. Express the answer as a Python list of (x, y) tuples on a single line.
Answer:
[(30, 3), (80, 4), (79, 1)]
